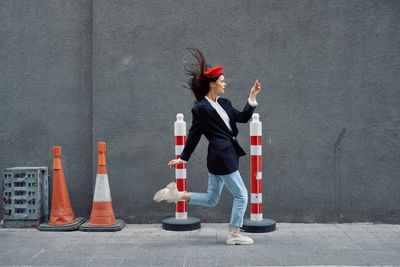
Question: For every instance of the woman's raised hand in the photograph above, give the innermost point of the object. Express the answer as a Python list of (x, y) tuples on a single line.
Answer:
[(172, 163), (255, 90)]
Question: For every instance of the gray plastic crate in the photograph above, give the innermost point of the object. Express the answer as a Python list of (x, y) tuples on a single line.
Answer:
[(25, 196)]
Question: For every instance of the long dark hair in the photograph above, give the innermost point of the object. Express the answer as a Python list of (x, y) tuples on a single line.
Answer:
[(198, 83)]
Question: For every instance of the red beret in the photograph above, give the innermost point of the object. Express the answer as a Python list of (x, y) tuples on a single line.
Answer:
[(213, 72)]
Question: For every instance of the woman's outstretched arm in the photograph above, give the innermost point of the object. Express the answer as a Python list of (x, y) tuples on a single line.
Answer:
[(255, 90), (245, 115)]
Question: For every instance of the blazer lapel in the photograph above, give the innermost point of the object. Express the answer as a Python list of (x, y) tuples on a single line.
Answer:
[(230, 115), (217, 117), (227, 110)]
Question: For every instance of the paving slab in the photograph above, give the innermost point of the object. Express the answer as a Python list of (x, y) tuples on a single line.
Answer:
[(291, 244)]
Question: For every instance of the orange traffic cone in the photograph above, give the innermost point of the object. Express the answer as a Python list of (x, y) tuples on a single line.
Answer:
[(61, 216), (102, 217), (61, 210)]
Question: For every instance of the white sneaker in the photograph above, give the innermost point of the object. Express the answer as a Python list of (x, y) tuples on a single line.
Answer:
[(170, 193), (236, 238)]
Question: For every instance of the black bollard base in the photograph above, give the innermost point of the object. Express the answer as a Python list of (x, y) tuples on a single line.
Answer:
[(173, 224), (264, 226), (64, 227), (110, 228)]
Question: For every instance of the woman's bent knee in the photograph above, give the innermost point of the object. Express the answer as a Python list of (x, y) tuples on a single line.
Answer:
[(212, 201), (242, 195)]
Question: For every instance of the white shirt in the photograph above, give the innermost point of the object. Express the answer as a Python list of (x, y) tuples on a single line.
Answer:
[(222, 113)]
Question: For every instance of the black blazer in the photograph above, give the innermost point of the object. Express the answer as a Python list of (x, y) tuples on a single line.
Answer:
[(223, 148)]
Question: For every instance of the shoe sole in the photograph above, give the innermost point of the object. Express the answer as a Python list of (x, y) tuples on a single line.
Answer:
[(237, 243)]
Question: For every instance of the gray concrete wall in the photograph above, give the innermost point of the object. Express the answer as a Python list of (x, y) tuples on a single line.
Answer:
[(45, 90), (329, 101)]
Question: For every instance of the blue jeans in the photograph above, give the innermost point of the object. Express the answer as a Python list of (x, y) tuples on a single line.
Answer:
[(235, 185)]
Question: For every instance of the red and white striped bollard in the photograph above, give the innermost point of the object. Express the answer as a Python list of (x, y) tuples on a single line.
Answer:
[(181, 222), (256, 224), (180, 170), (256, 168)]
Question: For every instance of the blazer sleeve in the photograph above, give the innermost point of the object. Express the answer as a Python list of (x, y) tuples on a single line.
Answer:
[(194, 135), (245, 115)]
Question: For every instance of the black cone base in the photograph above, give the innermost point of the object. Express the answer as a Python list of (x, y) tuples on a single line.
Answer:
[(188, 224), (266, 225), (110, 228), (64, 227)]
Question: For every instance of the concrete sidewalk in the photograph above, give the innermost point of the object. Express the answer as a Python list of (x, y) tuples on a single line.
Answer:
[(292, 244)]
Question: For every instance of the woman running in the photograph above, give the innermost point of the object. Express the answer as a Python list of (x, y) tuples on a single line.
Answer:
[(216, 118)]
